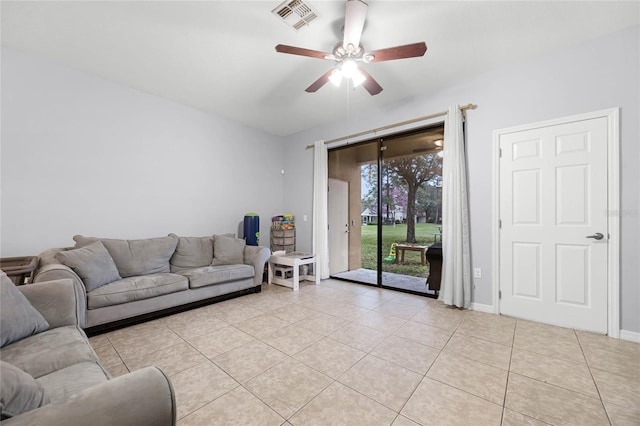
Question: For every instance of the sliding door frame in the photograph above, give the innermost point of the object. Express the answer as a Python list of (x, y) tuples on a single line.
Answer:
[(380, 148)]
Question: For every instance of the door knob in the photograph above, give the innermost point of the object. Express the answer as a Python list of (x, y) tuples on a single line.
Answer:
[(596, 236)]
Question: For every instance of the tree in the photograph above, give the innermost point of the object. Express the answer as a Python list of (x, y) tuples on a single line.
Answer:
[(369, 188), (414, 172), (394, 192), (401, 180), (429, 200)]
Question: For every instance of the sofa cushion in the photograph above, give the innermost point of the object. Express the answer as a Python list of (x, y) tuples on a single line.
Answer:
[(136, 288), (63, 383), (136, 257), (227, 250), (18, 319), (48, 256), (92, 263), (192, 252), (19, 392), (209, 275), (49, 351)]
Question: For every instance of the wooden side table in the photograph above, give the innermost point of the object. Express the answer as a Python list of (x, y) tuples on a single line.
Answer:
[(400, 249), (19, 269), (293, 260)]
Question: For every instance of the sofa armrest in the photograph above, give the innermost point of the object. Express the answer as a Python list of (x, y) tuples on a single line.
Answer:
[(142, 398), (56, 300), (58, 271), (256, 256)]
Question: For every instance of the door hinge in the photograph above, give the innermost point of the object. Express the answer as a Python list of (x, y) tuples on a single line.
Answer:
[(500, 224), (383, 148), (499, 152), (499, 294)]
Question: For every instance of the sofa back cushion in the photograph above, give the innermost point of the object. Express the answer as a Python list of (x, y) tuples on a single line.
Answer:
[(18, 319), (228, 250), (136, 257), (19, 392), (192, 252), (92, 263)]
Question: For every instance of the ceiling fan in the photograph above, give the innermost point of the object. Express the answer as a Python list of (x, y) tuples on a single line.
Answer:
[(350, 53)]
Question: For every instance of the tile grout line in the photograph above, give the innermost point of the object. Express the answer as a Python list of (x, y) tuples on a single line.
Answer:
[(289, 357), (355, 390), (506, 385), (259, 398), (239, 384), (595, 383), (539, 381), (424, 376)]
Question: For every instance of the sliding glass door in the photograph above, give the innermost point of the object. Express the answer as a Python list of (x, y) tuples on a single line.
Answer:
[(394, 202), (411, 176)]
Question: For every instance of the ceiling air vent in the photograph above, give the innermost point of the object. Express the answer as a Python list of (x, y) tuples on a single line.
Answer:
[(295, 13)]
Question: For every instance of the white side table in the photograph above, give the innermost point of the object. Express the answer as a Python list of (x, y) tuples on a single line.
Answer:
[(294, 260)]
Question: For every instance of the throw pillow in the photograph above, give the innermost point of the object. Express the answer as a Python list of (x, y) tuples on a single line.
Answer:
[(192, 252), (18, 319), (19, 392), (137, 257), (92, 263), (227, 250)]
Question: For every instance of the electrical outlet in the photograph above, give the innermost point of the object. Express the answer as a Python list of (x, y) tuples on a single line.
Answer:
[(477, 273), (304, 218)]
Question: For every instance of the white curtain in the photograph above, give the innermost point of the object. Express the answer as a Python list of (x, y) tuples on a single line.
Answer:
[(320, 238), (455, 288)]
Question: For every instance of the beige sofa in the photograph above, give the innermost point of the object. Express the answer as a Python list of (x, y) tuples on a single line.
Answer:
[(51, 376), (121, 282)]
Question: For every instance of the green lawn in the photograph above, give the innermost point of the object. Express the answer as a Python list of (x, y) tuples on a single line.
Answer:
[(396, 234)]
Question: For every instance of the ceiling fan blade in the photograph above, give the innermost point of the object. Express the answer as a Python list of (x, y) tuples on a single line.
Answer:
[(399, 52), (283, 48), (354, 23), (370, 84), (319, 82)]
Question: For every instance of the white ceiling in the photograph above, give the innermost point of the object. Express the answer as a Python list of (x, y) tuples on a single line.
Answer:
[(219, 56)]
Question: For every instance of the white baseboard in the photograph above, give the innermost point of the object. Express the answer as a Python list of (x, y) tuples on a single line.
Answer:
[(480, 307), (631, 336)]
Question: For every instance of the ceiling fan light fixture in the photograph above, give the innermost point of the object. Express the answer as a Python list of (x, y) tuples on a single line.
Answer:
[(358, 78), (349, 68), (336, 77)]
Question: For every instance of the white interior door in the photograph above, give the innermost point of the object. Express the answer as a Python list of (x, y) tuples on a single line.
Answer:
[(553, 204), (338, 201)]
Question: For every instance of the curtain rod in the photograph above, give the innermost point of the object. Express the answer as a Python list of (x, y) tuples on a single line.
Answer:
[(391, 126)]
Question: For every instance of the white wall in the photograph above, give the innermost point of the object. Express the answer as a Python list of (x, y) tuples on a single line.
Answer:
[(598, 74), (81, 155)]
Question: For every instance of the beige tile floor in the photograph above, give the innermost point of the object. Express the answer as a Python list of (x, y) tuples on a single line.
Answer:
[(347, 354)]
